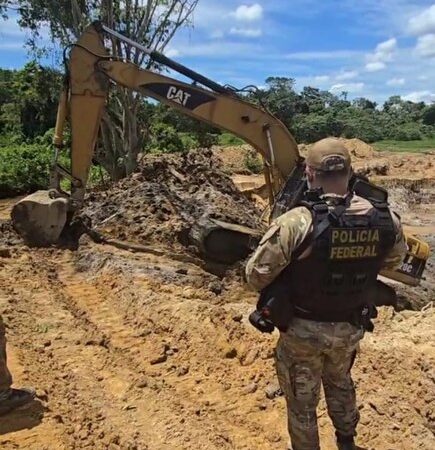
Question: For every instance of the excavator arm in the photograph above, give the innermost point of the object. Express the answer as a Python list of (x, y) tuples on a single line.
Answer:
[(41, 217), (91, 69), (226, 111)]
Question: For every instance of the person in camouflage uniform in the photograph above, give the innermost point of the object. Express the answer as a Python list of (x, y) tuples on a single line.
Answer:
[(317, 348), (10, 398)]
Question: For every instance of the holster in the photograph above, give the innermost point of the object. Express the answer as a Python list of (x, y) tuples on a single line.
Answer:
[(274, 307), (362, 317), (383, 295)]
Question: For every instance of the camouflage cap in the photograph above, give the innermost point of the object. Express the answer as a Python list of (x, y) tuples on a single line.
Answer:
[(328, 155)]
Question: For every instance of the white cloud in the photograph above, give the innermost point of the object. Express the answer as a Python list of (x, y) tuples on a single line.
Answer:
[(333, 54), (420, 96), (248, 13), (396, 82), (386, 48), (384, 52), (352, 88), (246, 32), (426, 45), (347, 75), (216, 49), (424, 22), (375, 66)]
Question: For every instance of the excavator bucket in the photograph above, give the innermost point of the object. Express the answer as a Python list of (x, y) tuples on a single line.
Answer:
[(40, 219), (223, 242)]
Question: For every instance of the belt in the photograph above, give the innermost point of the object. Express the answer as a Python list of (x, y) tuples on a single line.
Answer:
[(329, 316)]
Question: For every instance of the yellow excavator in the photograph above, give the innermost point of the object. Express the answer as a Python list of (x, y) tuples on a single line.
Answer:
[(40, 217)]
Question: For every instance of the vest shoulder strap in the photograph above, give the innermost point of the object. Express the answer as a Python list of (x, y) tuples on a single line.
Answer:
[(322, 215)]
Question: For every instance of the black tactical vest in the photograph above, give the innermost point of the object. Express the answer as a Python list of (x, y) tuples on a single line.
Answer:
[(346, 256)]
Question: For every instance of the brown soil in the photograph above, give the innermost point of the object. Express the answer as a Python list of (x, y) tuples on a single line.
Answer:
[(234, 158), (368, 161), (170, 194), (140, 351), (365, 159)]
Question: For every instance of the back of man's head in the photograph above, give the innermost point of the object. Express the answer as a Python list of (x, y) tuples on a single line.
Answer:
[(328, 166)]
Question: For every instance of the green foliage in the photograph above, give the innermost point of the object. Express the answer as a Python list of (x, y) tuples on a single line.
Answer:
[(423, 145), (165, 139), (253, 162), (406, 132), (227, 139), (361, 123), (188, 141), (200, 134), (318, 114), (28, 100), (282, 99), (312, 127), (429, 115), (23, 168)]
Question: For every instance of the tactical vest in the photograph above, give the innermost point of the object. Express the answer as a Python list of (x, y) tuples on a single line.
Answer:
[(347, 252)]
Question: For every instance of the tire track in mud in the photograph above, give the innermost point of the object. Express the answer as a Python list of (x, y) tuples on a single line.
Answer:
[(196, 422), (84, 358), (84, 387)]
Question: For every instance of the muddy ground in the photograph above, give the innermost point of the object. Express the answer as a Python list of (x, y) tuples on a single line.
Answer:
[(144, 351)]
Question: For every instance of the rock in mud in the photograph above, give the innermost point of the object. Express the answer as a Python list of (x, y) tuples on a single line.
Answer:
[(273, 390), (159, 359), (250, 388)]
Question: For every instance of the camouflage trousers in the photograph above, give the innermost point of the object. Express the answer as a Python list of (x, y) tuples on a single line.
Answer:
[(5, 376), (308, 354)]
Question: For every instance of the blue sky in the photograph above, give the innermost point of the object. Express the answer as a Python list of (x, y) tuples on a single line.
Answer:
[(372, 48)]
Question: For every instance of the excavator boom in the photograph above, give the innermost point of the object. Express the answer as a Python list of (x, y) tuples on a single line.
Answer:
[(90, 72)]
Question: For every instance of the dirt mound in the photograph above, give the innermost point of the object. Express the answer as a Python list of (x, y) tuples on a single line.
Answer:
[(166, 197), (358, 148), (234, 158)]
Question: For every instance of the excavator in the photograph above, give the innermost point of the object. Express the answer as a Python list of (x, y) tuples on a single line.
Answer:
[(41, 217)]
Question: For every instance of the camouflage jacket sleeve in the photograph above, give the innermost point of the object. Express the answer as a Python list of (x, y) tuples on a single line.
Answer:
[(274, 252), (396, 254)]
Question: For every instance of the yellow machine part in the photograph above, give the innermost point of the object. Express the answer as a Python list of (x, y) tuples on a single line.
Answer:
[(411, 270), (40, 217)]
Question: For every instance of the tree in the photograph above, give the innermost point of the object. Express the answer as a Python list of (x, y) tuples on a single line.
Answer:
[(429, 115), (282, 99), (151, 22), (364, 103), (28, 100), (316, 100)]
